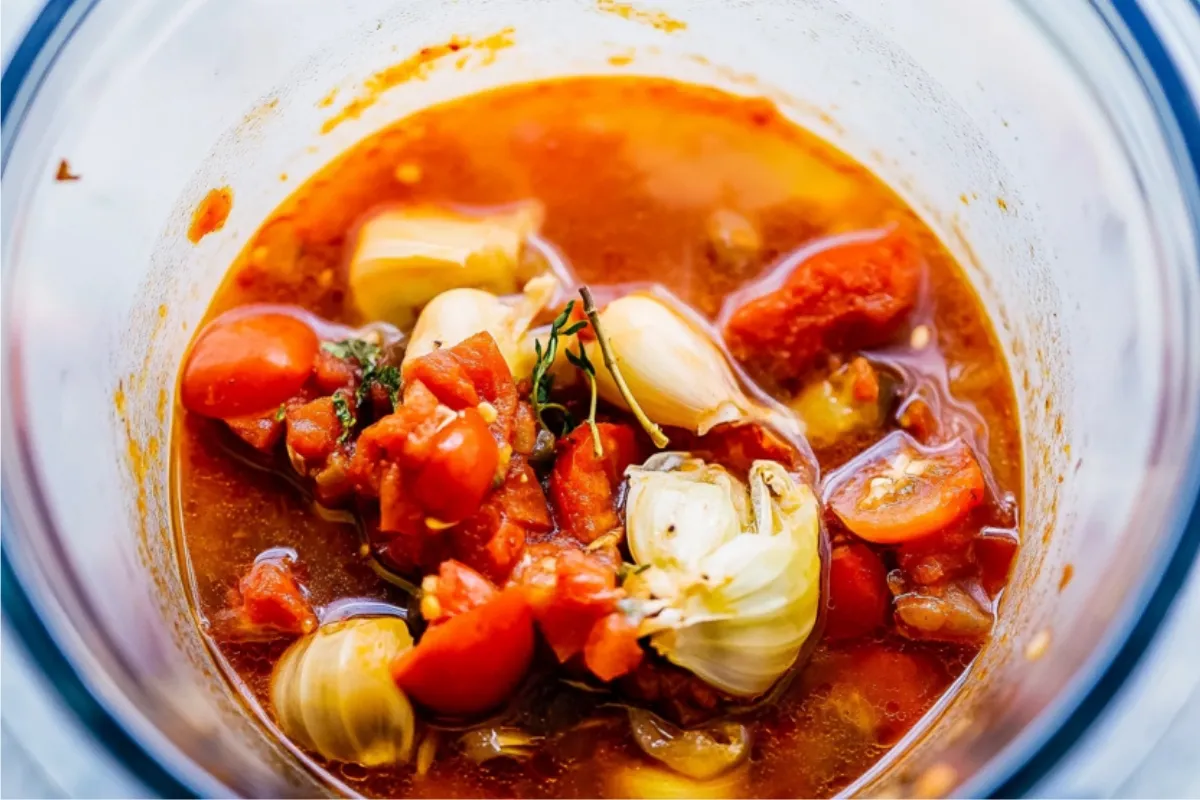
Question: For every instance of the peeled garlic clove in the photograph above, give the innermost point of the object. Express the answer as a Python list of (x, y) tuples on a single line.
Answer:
[(675, 372), (735, 610), (457, 314), (404, 257), (332, 692)]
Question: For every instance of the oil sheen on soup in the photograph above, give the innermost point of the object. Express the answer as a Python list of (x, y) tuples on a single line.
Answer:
[(595, 437)]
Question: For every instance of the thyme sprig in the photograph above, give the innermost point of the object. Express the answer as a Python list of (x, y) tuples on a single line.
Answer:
[(648, 425), (543, 378)]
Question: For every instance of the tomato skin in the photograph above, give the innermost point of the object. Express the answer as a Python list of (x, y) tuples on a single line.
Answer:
[(459, 470), (273, 601), (612, 648), (570, 591), (456, 589), (858, 593), (473, 661), (899, 491), (313, 428), (493, 538), (261, 431), (246, 363)]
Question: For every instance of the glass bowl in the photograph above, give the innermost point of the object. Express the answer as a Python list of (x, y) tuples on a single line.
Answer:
[(1052, 145)]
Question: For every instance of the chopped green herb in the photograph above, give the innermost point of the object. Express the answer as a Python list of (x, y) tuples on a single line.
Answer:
[(360, 350), (366, 355), (386, 376), (341, 407), (281, 413)]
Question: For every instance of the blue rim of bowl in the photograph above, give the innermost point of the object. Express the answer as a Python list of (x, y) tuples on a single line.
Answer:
[(19, 611)]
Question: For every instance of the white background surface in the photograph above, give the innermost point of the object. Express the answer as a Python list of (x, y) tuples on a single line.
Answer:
[(1146, 745)]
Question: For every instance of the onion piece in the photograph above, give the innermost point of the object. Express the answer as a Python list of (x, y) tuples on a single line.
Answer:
[(484, 744), (701, 753)]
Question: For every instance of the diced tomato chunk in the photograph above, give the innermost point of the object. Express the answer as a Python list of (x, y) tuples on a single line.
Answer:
[(995, 551), (332, 373), (472, 662), (454, 590), (525, 429), (313, 429), (858, 592), (570, 591), (401, 541), (937, 558), (583, 487), (471, 371), (612, 648), (493, 538), (445, 376), (845, 297), (260, 431), (398, 512), (272, 601)]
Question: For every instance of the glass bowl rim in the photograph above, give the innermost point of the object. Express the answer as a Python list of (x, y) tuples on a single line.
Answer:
[(1018, 770)]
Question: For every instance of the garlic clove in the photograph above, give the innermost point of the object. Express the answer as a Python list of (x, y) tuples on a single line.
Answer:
[(676, 372), (733, 606), (457, 314), (404, 257)]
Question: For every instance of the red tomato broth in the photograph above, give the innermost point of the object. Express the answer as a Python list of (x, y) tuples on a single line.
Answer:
[(630, 172)]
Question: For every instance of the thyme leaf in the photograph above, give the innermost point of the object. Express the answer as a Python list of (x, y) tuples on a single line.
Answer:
[(360, 350), (543, 379), (341, 408), (367, 355)]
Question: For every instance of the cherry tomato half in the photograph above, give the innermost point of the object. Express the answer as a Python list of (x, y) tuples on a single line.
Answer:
[(460, 470), (246, 363), (473, 661), (899, 491)]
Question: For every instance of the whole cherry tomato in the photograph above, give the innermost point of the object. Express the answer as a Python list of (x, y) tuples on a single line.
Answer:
[(243, 363)]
